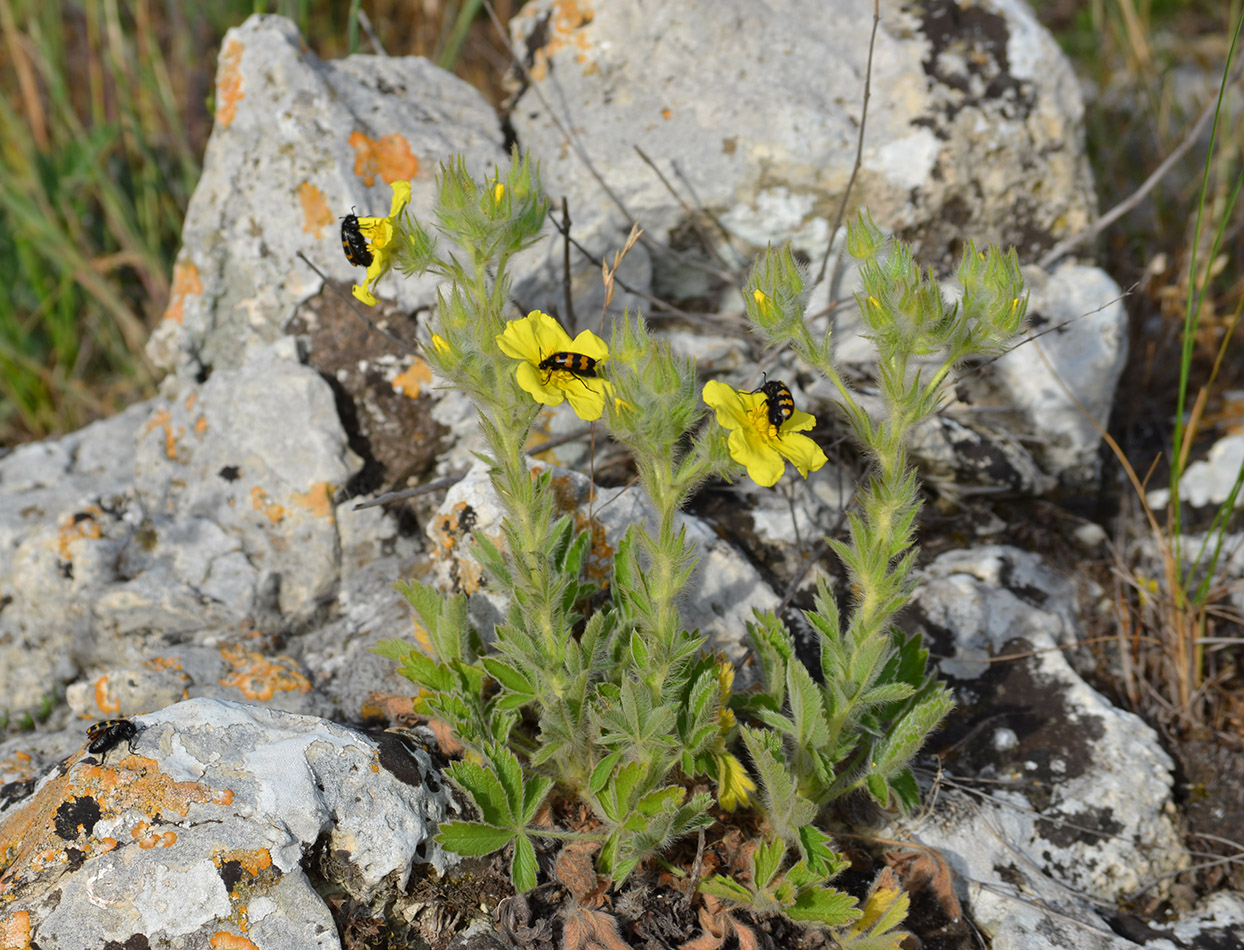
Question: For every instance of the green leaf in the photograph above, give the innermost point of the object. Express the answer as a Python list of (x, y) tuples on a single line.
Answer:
[(878, 788), (825, 905), (822, 860), (726, 888), (888, 693), (655, 802), (600, 774), (507, 676), (510, 774), (767, 861), (523, 865), (534, 791), (485, 790), (903, 785), (811, 726), (472, 838)]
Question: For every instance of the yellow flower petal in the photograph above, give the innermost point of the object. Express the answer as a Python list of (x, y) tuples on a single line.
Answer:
[(532, 381), (801, 452), (379, 234), (535, 338), (756, 444), (587, 397), (733, 785)]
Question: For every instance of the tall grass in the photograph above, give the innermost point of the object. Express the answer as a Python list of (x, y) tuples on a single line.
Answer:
[(1178, 253), (104, 115)]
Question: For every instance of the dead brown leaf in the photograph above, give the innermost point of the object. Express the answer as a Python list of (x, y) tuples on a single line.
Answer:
[(591, 930), (717, 925), (576, 871), (925, 869)]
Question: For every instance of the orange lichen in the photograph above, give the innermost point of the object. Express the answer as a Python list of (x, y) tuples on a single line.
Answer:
[(81, 525), (229, 83), (33, 836), (448, 532), (200, 425), (15, 931), (148, 839), (260, 678), (317, 214), (667, 113), (186, 281), (223, 940), (388, 157), (163, 663), (318, 499), (412, 381), (190, 401), (251, 860), (163, 419), (261, 502), (565, 31), (106, 703)]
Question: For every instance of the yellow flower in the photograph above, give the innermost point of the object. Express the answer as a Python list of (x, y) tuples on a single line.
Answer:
[(536, 338), (379, 234), (733, 785), (438, 342), (762, 447)]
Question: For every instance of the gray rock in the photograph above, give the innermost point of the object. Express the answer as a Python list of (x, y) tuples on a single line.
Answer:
[(194, 517), (297, 143), (1208, 481), (204, 823), (973, 127), (1063, 380), (720, 598), (1078, 793)]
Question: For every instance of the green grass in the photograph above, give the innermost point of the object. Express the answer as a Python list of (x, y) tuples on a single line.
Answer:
[(1177, 252), (104, 115)]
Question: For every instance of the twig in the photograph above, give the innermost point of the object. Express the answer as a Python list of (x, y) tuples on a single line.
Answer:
[(449, 481), (578, 149), (693, 214), (366, 27), (859, 142), (1131, 201), (669, 310), (569, 297), (396, 341)]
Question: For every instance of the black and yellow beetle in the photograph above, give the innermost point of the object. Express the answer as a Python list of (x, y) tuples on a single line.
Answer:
[(353, 242)]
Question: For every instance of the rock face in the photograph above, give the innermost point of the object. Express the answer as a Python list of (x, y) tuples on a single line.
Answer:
[(1077, 793), (196, 829), (297, 143), (205, 546), (752, 114)]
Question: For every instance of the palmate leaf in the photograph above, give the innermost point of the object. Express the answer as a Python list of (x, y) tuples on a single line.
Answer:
[(473, 838), (523, 865), (883, 911)]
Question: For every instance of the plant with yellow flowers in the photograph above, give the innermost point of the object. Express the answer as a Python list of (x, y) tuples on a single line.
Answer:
[(611, 700)]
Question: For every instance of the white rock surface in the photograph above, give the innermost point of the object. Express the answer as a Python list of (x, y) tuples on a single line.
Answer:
[(197, 829), (1078, 799), (297, 143)]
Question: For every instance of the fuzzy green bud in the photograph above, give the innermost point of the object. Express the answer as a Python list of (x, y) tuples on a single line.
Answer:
[(776, 296), (993, 292), (416, 247), (655, 395), (866, 241)]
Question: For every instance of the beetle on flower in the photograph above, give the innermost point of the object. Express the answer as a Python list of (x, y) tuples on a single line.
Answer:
[(379, 235), (755, 442), (554, 368)]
